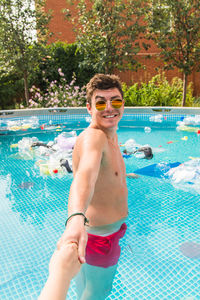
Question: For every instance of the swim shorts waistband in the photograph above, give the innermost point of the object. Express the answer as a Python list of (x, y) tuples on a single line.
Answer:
[(107, 229)]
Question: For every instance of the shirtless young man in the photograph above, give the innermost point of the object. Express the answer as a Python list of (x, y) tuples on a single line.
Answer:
[(98, 190)]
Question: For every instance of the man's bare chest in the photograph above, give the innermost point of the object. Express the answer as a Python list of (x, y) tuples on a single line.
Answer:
[(113, 167)]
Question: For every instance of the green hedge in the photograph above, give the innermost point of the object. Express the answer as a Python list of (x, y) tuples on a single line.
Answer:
[(157, 92)]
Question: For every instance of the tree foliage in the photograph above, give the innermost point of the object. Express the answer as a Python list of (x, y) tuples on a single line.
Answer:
[(108, 33), (23, 31), (175, 27), (65, 56)]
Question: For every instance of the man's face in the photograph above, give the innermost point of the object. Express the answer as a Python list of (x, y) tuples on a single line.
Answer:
[(110, 116)]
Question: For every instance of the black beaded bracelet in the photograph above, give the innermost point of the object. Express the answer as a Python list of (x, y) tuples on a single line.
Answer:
[(86, 221)]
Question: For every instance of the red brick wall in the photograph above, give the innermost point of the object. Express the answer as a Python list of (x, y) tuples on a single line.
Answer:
[(61, 28), (144, 75), (63, 31)]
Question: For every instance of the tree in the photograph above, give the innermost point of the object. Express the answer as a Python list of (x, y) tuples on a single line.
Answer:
[(23, 32), (174, 25), (108, 33)]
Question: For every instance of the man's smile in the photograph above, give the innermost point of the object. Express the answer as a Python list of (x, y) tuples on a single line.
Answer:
[(110, 116)]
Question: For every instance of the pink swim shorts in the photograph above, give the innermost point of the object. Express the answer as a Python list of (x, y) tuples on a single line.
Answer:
[(104, 251)]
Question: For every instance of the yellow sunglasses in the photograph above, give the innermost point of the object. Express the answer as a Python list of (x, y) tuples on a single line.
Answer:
[(101, 104)]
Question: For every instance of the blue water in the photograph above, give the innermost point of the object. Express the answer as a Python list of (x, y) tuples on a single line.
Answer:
[(161, 218)]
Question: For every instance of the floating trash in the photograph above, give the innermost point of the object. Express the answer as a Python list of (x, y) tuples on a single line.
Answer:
[(190, 120), (131, 145), (185, 138), (147, 129), (54, 157), (24, 124), (187, 128), (156, 118), (65, 142), (186, 176)]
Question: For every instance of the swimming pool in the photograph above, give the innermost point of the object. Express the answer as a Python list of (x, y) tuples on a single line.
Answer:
[(157, 260)]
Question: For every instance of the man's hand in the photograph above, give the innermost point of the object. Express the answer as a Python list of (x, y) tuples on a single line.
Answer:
[(75, 232)]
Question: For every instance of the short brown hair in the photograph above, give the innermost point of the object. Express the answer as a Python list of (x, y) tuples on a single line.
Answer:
[(102, 82)]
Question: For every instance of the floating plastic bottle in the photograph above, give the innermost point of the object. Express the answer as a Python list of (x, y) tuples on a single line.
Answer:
[(147, 129), (156, 118)]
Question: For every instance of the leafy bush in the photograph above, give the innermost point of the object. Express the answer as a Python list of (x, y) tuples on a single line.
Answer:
[(56, 56), (64, 56), (11, 90), (157, 92), (58, 94), (197, 102)]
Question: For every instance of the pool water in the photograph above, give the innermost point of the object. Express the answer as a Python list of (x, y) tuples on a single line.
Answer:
[(162, 217)]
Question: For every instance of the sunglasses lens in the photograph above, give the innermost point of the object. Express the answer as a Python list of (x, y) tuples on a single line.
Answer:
[(100, 105), (116, 103)]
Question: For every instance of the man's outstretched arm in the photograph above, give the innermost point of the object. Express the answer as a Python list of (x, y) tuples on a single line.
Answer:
[(82, 189)]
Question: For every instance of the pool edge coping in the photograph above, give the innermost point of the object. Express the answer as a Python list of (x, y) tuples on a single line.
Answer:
[(83, 110)]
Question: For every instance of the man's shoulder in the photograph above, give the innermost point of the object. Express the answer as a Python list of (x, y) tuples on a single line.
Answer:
[(93, 134), (91, 138)]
